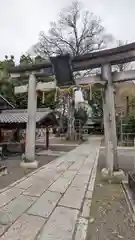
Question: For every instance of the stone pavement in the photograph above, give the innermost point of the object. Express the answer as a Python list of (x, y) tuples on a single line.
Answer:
[(52, 203)]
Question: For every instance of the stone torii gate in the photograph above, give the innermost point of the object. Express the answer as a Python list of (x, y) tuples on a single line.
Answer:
[(103, 59)]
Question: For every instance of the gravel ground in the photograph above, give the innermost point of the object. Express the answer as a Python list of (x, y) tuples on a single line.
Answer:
[(110, 218)]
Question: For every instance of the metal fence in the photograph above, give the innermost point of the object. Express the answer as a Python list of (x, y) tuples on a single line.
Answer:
[(125, 133), (40, 132)]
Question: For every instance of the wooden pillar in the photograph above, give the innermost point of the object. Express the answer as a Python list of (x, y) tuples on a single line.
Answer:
[(31, 123), (127, 105), (109, 119), (69, 118), (71, 129), (47, 138)]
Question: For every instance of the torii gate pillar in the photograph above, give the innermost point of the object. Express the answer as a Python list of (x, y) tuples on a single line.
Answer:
[(109, 120), (30, 161)]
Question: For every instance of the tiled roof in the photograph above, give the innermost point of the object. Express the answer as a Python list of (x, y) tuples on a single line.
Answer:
[(21, 115)]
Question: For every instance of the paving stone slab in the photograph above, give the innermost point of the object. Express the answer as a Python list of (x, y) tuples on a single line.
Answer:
[(69, 174), (4, 189), (38, 188), (60, 226), (88, 166), (45, 204), (86, 208), (25, 184), (63, 167), (54, 164), (47, 174), (89, 162), (9, 195), (85, 170), (15, 183), (25, 228), (80, 181), (73, 197), (81, 229), (15, 208), (43, 172), (77, 165), (60, 185)]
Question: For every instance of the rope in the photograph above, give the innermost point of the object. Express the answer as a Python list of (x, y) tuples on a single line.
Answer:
[(43, 97), (90, 89), (56, 94)]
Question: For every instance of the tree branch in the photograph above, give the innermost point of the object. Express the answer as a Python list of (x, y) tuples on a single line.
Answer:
[(76, 32)]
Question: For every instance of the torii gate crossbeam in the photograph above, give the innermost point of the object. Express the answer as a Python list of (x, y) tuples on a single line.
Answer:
[(122, 54)]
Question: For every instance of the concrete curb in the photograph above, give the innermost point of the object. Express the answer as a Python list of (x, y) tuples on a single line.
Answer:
[(129, 198), (83, 219), (120, 148)]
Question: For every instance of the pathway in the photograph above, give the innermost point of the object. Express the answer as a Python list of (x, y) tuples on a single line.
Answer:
[(54, 201)]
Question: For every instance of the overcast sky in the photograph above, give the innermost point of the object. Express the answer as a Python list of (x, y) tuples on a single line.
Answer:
[(22, 20)]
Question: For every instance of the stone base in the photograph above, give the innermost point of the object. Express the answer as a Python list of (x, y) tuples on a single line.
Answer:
[(114, 177), (29, 165)]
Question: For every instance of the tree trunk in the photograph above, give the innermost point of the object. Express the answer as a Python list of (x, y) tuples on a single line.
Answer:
[(71, 128)]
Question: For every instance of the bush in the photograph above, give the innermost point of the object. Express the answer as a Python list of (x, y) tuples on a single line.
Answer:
[(128, 124), (81, 114)]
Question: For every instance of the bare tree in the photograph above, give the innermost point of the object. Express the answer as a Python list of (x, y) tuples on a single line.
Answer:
[(77, 31), (122, 67)]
